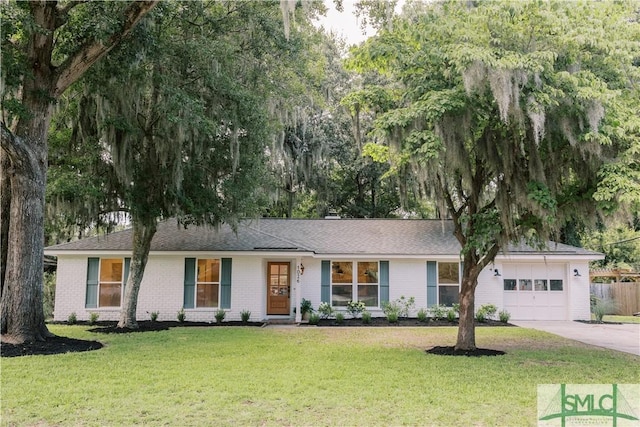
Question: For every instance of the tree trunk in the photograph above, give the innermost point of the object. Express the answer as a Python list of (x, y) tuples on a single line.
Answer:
[(473, 266), (22, 310), (143, 232), (466, 324), (5, 207), (373, 198)]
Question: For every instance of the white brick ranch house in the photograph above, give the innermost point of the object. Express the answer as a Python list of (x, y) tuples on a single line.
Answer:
[(269, 265)]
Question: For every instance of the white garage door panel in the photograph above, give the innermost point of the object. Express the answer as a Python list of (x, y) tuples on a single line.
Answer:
[(538, 303)]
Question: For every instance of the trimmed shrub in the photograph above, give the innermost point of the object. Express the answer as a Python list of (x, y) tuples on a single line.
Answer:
[(603, 306), (72, 319), (407, 305), (392, 317), (355, 308), (93, 318), (504, 316), (366, 317), (438, 312), (325, 310), (391, 308), (220, 315), (489, 310), (314, 319)]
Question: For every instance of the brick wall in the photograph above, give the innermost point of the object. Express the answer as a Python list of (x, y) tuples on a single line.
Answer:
[(162, 287)]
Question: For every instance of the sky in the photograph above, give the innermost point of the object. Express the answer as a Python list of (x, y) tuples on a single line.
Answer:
[(344, 23)]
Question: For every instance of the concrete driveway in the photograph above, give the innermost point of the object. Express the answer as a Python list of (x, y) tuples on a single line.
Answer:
[(625, 337)]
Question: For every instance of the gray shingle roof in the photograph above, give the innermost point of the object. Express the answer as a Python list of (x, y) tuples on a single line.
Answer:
[(328, 236)]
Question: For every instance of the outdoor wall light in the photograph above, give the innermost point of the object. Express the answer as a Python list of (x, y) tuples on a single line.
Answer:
[(301, 269), (576, 273), (496, 273)]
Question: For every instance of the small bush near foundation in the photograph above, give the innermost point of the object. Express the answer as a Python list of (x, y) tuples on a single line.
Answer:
[(245, 315), (451, 315), (314, 319), (72, 319), (325, 310), (456, 308), (392, 317), (366, 317), (154, 315), (603, 306), (504, 316), (93, 318), (489, 310), (220, 314), (181, 315), (423, 316), (439, 311), (391, 308), (355, 308), (406, 305), (339, 318), (481, 316)]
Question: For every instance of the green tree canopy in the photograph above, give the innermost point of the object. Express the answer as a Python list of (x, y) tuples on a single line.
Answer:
[(47, 46), (510, 114), (180, 119)]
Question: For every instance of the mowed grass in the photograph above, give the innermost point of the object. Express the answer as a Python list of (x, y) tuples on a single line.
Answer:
[(621, 319), (298, 376)]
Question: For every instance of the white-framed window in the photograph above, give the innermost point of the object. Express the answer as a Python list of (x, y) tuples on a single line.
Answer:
[(533, 285), (207, 292), (110, 282), (448, 283), (355, 281)]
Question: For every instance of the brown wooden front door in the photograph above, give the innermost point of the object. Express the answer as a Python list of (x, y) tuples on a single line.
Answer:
[(278, 287)]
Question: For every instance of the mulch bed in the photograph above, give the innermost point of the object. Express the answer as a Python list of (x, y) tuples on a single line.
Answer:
[(148, 326), (451, 351), (382, 321), (595, 322), (53, 345)]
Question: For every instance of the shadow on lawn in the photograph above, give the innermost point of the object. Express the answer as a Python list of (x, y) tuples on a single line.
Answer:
[(60, 345)]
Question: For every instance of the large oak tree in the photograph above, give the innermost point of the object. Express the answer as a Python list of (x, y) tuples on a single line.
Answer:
[(47, 46), (511, 114), (187, 136)]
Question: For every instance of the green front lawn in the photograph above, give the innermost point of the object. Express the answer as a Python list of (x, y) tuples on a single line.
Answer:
[(621, 319), (298, 376)]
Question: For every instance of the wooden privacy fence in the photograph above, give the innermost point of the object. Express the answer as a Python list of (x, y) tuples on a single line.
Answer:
[(626, 295)]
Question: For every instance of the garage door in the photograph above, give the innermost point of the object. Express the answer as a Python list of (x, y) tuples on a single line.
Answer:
[(535, 291)]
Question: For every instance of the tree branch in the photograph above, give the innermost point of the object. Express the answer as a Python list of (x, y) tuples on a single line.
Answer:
[(79, 62), (62, 12), (488, 258), (455, 214), (8, 141)]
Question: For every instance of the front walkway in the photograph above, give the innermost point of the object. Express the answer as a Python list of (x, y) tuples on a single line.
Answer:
[(625, 337)]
